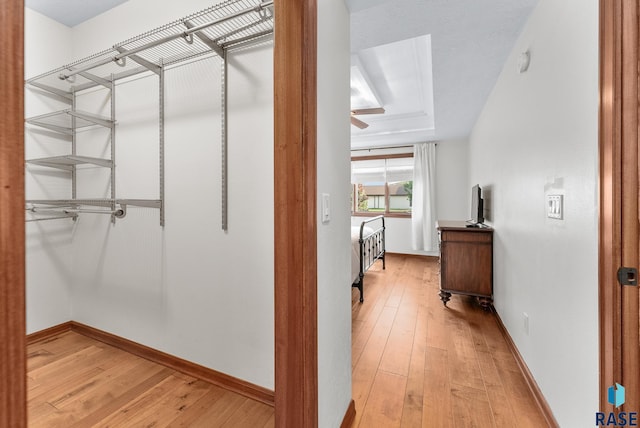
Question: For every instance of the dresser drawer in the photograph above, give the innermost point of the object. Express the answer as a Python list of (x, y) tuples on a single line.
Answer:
[(465, 236)]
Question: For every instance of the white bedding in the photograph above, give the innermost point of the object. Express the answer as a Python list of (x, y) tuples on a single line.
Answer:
[(355, 249)]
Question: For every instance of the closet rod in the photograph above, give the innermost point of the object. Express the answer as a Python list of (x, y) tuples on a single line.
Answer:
[(184, 34), (49, 218), (117, 212)]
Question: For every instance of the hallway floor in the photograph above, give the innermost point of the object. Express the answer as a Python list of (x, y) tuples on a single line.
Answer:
[(417, 363)]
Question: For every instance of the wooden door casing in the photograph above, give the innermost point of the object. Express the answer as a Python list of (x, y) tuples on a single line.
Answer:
[(296, 343), (618, 226), (12, 227)]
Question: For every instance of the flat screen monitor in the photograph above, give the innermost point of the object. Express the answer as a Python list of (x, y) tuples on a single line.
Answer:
[(477, 205)]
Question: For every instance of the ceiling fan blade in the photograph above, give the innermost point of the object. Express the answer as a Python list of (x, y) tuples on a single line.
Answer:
[(377, 110), (357, 122)]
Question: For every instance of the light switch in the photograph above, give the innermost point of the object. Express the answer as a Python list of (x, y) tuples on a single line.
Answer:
[(554, 206), (326, 208)]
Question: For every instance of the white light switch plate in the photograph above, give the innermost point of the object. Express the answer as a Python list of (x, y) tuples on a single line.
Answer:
[(555, 206), (326, 208)]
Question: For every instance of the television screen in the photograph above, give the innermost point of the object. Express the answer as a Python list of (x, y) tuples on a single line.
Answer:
[(477, 209)]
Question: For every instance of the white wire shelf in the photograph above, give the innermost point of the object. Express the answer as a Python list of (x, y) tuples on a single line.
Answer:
[(225, 26), (68, 162), (62, 121)]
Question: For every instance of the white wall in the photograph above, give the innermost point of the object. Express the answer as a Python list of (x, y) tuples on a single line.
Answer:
[(453, 195), (538, 134), (48, 256), (334, 265), (188, 289)]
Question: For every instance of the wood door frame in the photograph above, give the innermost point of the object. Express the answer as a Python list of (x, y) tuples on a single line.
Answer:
[(296, 374), (13, 349), (618, 207), (295, 188)]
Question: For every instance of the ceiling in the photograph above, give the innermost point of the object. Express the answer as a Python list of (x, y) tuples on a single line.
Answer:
[(72, 12), (399, 75), (431, 90), (470, 41)]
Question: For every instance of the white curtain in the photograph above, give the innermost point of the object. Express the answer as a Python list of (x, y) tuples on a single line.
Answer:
[(423, 210)]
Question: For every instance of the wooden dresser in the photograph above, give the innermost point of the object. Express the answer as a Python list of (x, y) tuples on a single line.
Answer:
[(466, 261)]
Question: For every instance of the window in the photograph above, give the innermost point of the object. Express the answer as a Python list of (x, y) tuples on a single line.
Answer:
[(382, 185)]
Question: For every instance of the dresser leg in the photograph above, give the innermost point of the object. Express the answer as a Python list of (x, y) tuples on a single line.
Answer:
[(445, 296), (485, 302)]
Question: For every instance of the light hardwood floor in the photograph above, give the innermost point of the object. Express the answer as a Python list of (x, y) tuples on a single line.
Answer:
[(415, 364), (419, 364), (75, 381)]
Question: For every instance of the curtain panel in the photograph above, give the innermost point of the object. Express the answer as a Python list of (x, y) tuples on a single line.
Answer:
[(423, 214)]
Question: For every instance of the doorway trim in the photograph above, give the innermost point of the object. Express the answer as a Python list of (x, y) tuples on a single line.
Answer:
[(295, 188), (618, 211), (13, 395)]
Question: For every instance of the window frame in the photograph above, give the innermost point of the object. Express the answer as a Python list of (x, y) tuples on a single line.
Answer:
[(354, 189)]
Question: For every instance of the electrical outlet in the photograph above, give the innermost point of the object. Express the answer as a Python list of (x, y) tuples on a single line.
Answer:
[(526, 322)]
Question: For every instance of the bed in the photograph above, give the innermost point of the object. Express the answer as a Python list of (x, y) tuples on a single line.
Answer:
[(367, 246)]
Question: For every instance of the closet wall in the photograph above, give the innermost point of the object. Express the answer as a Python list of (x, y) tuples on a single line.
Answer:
[(48, 243), (188, 289)]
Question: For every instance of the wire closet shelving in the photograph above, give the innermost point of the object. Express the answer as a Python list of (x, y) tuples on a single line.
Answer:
[(217, 30)]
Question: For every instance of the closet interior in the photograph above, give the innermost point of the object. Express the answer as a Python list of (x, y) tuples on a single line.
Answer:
[(217, 30)]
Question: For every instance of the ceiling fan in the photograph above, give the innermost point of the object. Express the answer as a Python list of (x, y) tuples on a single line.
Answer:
[(357, 122)]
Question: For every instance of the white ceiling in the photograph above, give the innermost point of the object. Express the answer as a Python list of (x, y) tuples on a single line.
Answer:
[(470, 41), (399, 75), (72, 12)]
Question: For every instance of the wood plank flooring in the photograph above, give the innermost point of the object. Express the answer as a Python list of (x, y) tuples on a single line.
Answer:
[(75, 381), (419, 364), (415, 364)]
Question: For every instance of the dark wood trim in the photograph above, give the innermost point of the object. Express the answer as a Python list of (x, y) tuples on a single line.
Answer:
[(610, 180), (541, 402), (50, 332), (225, 381), (13, 388), (295, 253), (349, 416), (629, 201), (609, 197), (390, 156)]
